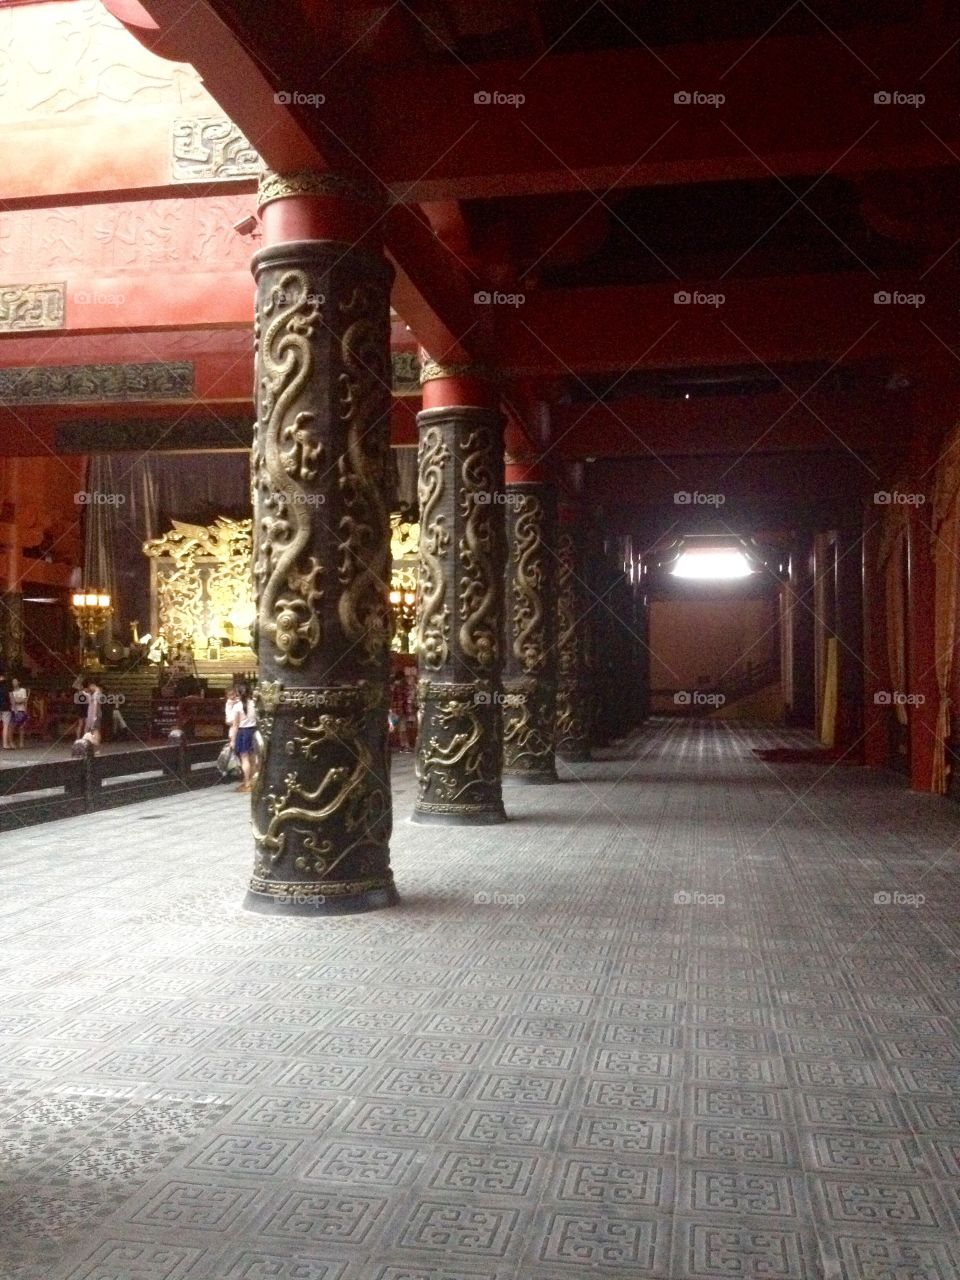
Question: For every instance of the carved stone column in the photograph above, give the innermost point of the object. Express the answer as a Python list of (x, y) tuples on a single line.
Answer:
[(530, 668), (573, 696), (321, 554), (459, 624)]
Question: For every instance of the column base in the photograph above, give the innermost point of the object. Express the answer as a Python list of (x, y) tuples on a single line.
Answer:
[(318, 900), (582, 756), (544, 778), (481, 818)]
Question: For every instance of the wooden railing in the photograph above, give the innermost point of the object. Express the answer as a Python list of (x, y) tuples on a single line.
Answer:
[(65, 788)]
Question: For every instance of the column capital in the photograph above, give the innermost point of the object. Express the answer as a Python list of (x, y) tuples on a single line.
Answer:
[(311, 182), (434, 371)]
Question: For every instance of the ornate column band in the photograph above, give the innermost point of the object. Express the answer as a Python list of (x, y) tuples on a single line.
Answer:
[(460, 616), (433, 371), (530, 668), (309, 182), (573, 701), (321, 569)]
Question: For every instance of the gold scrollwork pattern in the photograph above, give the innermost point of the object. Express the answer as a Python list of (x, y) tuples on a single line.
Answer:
[(481, 586), (433, 612), (566, 608), (364, 550), (527, 584), (286, 461)]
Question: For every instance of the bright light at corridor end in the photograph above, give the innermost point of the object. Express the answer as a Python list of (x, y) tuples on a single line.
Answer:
[(712, 564)]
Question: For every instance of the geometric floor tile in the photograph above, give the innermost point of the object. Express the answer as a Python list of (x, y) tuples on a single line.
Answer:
[(549, 1062)]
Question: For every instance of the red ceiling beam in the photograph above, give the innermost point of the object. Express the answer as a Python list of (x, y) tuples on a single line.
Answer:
[(763, 423), (793, 105), (773, 321)]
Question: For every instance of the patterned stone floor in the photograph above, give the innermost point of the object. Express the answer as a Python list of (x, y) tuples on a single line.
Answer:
[(688, 1015)]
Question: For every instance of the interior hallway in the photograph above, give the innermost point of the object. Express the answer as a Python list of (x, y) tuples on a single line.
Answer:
[(563, 1056)]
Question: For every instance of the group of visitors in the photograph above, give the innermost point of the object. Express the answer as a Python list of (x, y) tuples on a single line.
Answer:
[(402, 716), (240, 713), (13, 711)]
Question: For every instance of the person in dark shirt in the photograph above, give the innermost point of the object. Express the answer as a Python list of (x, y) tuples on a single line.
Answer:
[(6, 713)]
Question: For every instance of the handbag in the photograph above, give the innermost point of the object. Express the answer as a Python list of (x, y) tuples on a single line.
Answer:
[(228, 762)]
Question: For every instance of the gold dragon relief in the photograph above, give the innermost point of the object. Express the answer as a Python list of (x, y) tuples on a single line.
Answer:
[(456, 754), (528, 731), (333, 803)]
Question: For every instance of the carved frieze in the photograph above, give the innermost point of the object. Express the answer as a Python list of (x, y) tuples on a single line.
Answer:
[(211, 149), (26, 307), (77, 383)]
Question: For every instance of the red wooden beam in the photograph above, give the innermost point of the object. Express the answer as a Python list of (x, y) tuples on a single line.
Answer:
[(762, 423), (792, 105), (775, 320)]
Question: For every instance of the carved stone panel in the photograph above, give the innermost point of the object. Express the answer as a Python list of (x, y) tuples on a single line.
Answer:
[(26, 307), (76, 383), (211, 149)]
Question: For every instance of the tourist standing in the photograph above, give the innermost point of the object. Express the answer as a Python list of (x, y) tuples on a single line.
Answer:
[(245, 724), (6, 713), (19, 696), (229, 711), (90, 724)]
